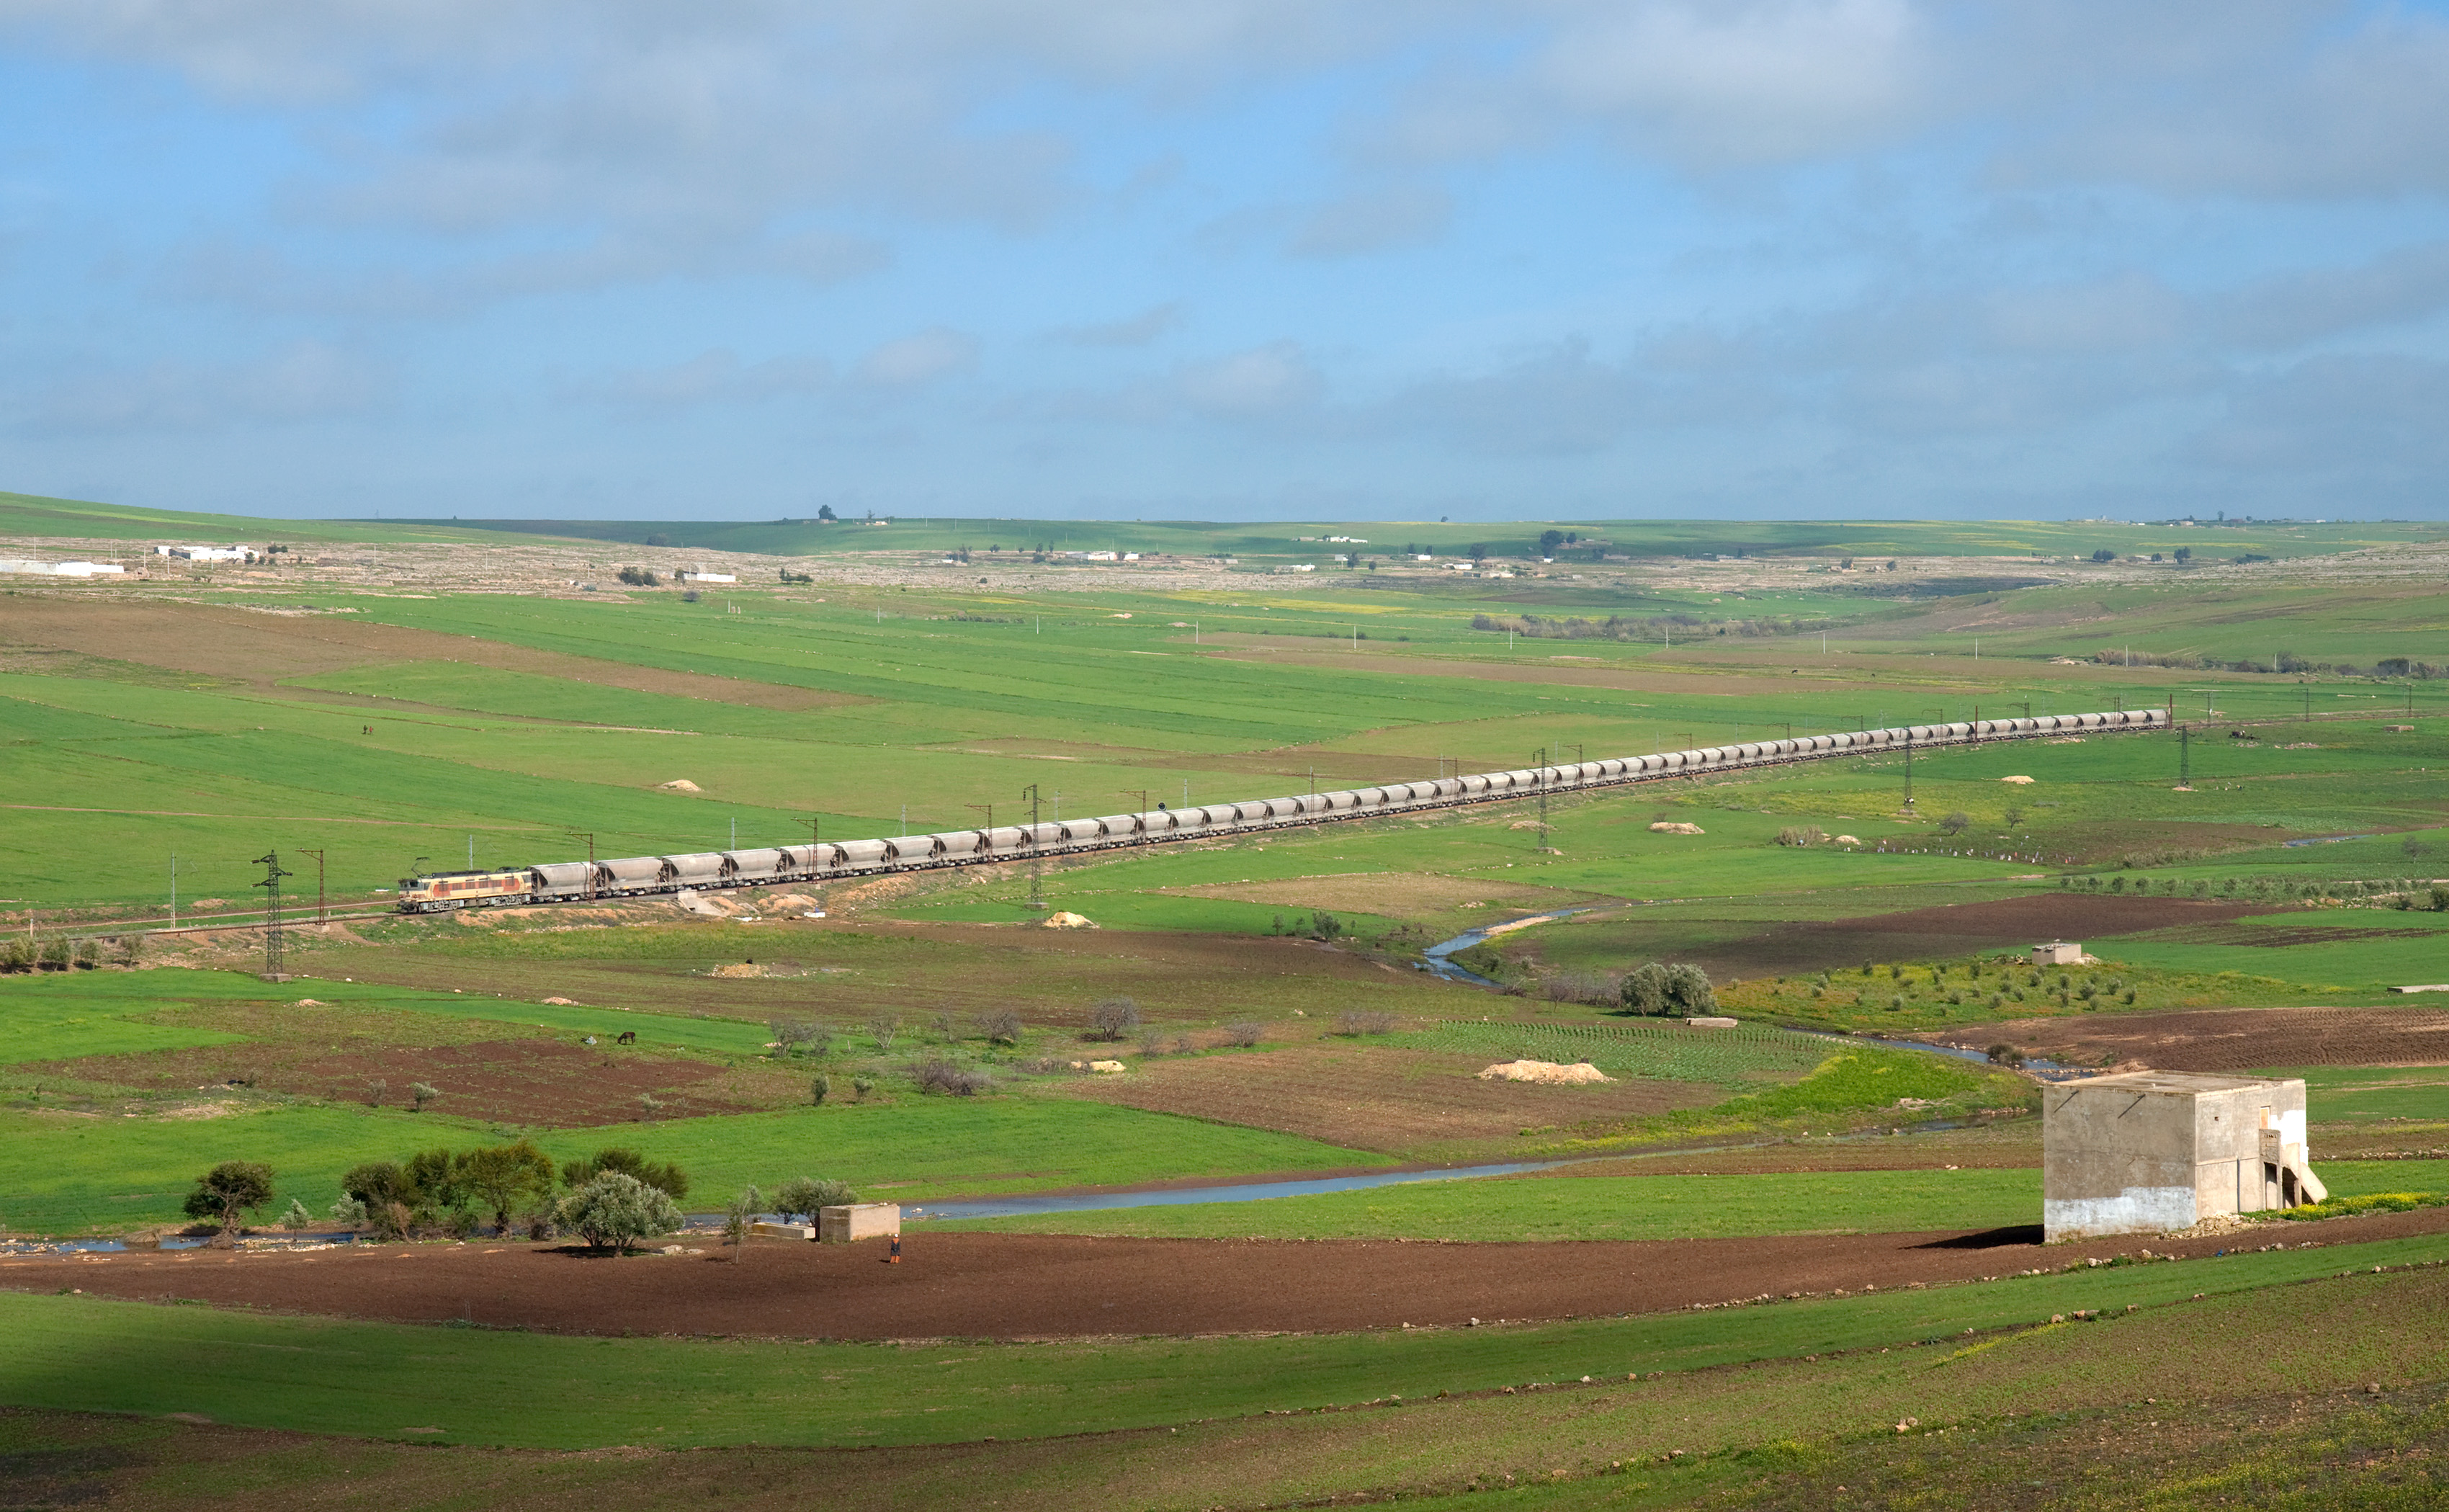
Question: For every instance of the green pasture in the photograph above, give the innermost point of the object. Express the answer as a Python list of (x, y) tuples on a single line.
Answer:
[(31, 514), (546, 1391), (2373, 1094), (2373, 948), (931, 713), (984, 538), (1736, 1058), (1567, 1207), (1514, 1208), (69, 1172)]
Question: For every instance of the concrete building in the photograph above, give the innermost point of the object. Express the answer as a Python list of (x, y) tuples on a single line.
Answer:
[(859, 1220), (2058, 953), (2155, 1150)]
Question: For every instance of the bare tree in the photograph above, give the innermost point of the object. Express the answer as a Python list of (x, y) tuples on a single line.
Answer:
[(885, 1028), (1111, 1018)]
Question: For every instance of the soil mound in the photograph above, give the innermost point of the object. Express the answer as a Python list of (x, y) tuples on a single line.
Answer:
[(680, 784), (1061, 919), (1546, 1073), (1670, 827)]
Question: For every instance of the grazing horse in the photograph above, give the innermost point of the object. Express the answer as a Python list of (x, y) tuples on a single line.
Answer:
[(626, 1037)]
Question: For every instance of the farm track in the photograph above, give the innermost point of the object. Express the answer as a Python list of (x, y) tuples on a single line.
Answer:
[(990, 1286)]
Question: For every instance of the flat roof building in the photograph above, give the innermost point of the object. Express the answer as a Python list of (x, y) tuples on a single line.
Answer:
[(2152, 1151)]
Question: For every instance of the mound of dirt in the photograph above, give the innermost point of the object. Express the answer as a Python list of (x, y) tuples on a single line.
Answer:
[(739, 969), (1546, 1073), (2020, 782), (1061, 919), (1849, 840), (561, 1002), (680, 784), (1666, 826)]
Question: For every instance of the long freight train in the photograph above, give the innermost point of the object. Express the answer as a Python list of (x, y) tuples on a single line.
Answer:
[(640, 876)]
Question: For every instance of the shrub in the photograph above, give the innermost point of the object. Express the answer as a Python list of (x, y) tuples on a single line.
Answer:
[(738, 1216), (1954, 823), (614, 1211), (503, 1177), (376, 1091), (640, 577), (863, 1086), (297, 1218), (885, 1028), (1323, 925), (669, 1179), (2006, 1055), (939, 1076), (1659, 987), (805, 1194), (1802, 835), (789, 1035), (1001, 1027), (348, 1212), (228, 1190), (1244, 1033), (1353, 1023), (2440, 900), (1111, 1018), (375, 1184), (820, 1088), (421, 1093)]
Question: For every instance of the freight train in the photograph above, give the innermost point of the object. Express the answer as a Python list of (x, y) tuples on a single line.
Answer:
[(822, 860)]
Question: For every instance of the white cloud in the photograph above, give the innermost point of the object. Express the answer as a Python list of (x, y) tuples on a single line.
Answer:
[(920, 358), (716, 376), (1133, 330), (1371, 220), (1264, 380), (303, 381)]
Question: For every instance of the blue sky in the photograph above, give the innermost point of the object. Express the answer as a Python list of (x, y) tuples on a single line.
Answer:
[(1226, 259)]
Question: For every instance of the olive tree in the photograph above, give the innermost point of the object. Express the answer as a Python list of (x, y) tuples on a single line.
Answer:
[(503, 1177), (1660, 987), (805, 1194), (1114, 1017), (228, 1190), (615, 1211)]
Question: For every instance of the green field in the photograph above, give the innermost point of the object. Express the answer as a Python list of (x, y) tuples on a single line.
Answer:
[(387, 729), (1666, 1207), (536, 1390)]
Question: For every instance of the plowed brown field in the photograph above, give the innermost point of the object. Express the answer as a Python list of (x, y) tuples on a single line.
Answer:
[(1045, 1286), (2229, 1039), (1378, 1098), (544, 1082)]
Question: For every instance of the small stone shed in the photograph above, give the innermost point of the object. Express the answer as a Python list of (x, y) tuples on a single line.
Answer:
[(2154, 1151), (859, 1220), (2058, 953)]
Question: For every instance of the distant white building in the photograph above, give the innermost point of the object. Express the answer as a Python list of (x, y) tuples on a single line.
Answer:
[(709, 577), (1100, 557), (207, 554)]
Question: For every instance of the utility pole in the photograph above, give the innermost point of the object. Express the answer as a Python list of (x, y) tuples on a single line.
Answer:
[(589, 836), (1036, 858), (270, 861), (323, 914), (2185, 756), (174, 889), (987, 809), (1908, 767)]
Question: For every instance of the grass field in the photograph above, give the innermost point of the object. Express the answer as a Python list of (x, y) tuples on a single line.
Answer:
[(536, 1390), (392, 730), (1664, 1206)]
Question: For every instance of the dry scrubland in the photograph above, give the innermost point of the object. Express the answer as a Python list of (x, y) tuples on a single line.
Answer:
[(406, 693)]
